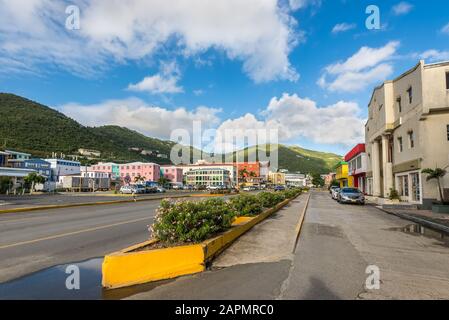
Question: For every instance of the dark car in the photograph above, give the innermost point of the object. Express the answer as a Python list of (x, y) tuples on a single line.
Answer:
[(351, 195), (279, 188)]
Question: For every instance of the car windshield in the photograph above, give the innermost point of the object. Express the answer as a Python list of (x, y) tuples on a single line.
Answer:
[(350, 190)]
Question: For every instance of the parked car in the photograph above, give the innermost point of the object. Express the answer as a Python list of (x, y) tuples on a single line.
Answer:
[(279, 188), (177, 187), (126, 189), (332, 189), (250, 188), (351, 195), (160, 189), (210, 187), (140, 188), (188, 187), (335, 192)]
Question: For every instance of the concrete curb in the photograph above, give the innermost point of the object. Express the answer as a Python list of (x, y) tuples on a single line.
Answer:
[(86, 204), (133, 265), (424, 222), (301, 222)]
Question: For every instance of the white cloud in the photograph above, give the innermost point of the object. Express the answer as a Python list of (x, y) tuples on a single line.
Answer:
[(434, 55), (342, 27), (365, 67), (445, 29), (164, 82), (402, 8), (120, 31), (300, 4), (135, 114), (298, 118)]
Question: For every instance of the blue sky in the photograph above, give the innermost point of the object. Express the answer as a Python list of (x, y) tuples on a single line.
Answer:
[(307, 67)]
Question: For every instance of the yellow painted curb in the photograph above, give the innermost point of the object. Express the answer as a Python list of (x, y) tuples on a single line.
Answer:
[(301, 222), (135, 265)]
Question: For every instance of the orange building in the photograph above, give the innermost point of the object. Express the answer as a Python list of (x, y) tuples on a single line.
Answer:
[(250, 167)]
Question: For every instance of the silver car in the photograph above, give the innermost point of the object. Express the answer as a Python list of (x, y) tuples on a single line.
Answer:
[(351, 195), (335, 192)]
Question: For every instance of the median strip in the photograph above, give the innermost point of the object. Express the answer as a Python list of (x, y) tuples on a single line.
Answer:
[(146, 262)]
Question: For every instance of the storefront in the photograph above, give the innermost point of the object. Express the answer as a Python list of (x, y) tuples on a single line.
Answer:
[(409, 186)]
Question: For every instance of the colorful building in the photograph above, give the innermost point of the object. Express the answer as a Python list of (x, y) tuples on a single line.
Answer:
[(172, 173), (356, 159), (112, 169), (342, 175), (61, 167), (276, 178), (209, 177), (147, 171), (41, 167)]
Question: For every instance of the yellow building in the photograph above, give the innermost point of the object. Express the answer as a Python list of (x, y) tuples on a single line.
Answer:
[(277, 178), (342, 175)]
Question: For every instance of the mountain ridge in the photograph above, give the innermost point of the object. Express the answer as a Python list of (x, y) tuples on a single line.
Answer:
[(40, 130)]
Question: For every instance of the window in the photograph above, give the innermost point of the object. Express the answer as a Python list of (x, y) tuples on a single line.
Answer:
[(448, 132), (411, 139), (447, 80), (399, 101), (410, 95), (400, 144)]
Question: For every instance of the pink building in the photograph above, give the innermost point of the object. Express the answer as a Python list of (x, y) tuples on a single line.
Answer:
[(112, 169), (148, 171), (172, 173)]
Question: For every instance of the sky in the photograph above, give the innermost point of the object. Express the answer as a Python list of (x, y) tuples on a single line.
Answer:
[(304, 67)]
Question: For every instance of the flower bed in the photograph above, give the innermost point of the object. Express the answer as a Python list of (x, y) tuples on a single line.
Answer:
[(184, 222)]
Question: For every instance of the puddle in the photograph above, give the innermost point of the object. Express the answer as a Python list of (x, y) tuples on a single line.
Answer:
[(419, 230), (50, 284)]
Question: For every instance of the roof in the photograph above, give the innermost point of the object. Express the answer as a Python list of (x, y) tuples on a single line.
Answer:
[(358, 149), (341, 163), (17, 152)]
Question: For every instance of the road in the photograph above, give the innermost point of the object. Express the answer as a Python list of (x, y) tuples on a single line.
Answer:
[(40, 239), (336, 245)]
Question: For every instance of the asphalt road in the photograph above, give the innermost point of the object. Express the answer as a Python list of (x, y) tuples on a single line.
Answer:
[(36, 240), (336, 245)]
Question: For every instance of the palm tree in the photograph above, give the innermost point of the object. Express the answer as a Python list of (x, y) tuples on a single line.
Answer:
[(163, 181), (436, 174), (32, 179)]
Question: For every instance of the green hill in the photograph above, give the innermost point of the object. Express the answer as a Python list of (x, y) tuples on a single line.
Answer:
[(31, 127), (294, 158)]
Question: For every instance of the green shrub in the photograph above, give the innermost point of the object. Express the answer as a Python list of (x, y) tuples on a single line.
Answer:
[(394, 194), (270, 199), (246, 205), (191, 221)]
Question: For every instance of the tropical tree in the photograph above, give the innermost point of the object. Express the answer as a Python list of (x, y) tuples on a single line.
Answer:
[(317, 180), (436, 174), (243, 174), (163, 181), (32, 179), (139, 179)]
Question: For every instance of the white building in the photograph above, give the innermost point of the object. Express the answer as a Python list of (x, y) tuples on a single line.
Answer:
[(61, 167), (229, 167), (296, 179)]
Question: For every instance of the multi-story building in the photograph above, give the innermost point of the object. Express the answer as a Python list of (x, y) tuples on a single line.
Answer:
[(146, 170), (209, 177), (342, 175), (89, 172), (205, 166), (276, 178), (329, 178), (356, 159), (296, 179), (172, 173), (61, 167), (407, 131), (15, 157), (112, 169), (40, 166)]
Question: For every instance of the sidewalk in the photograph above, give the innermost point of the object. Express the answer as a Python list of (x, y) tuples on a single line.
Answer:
[(427, 218)]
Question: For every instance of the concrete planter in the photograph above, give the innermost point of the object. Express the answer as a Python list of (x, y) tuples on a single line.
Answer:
[(138, 264), (440, 208)]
